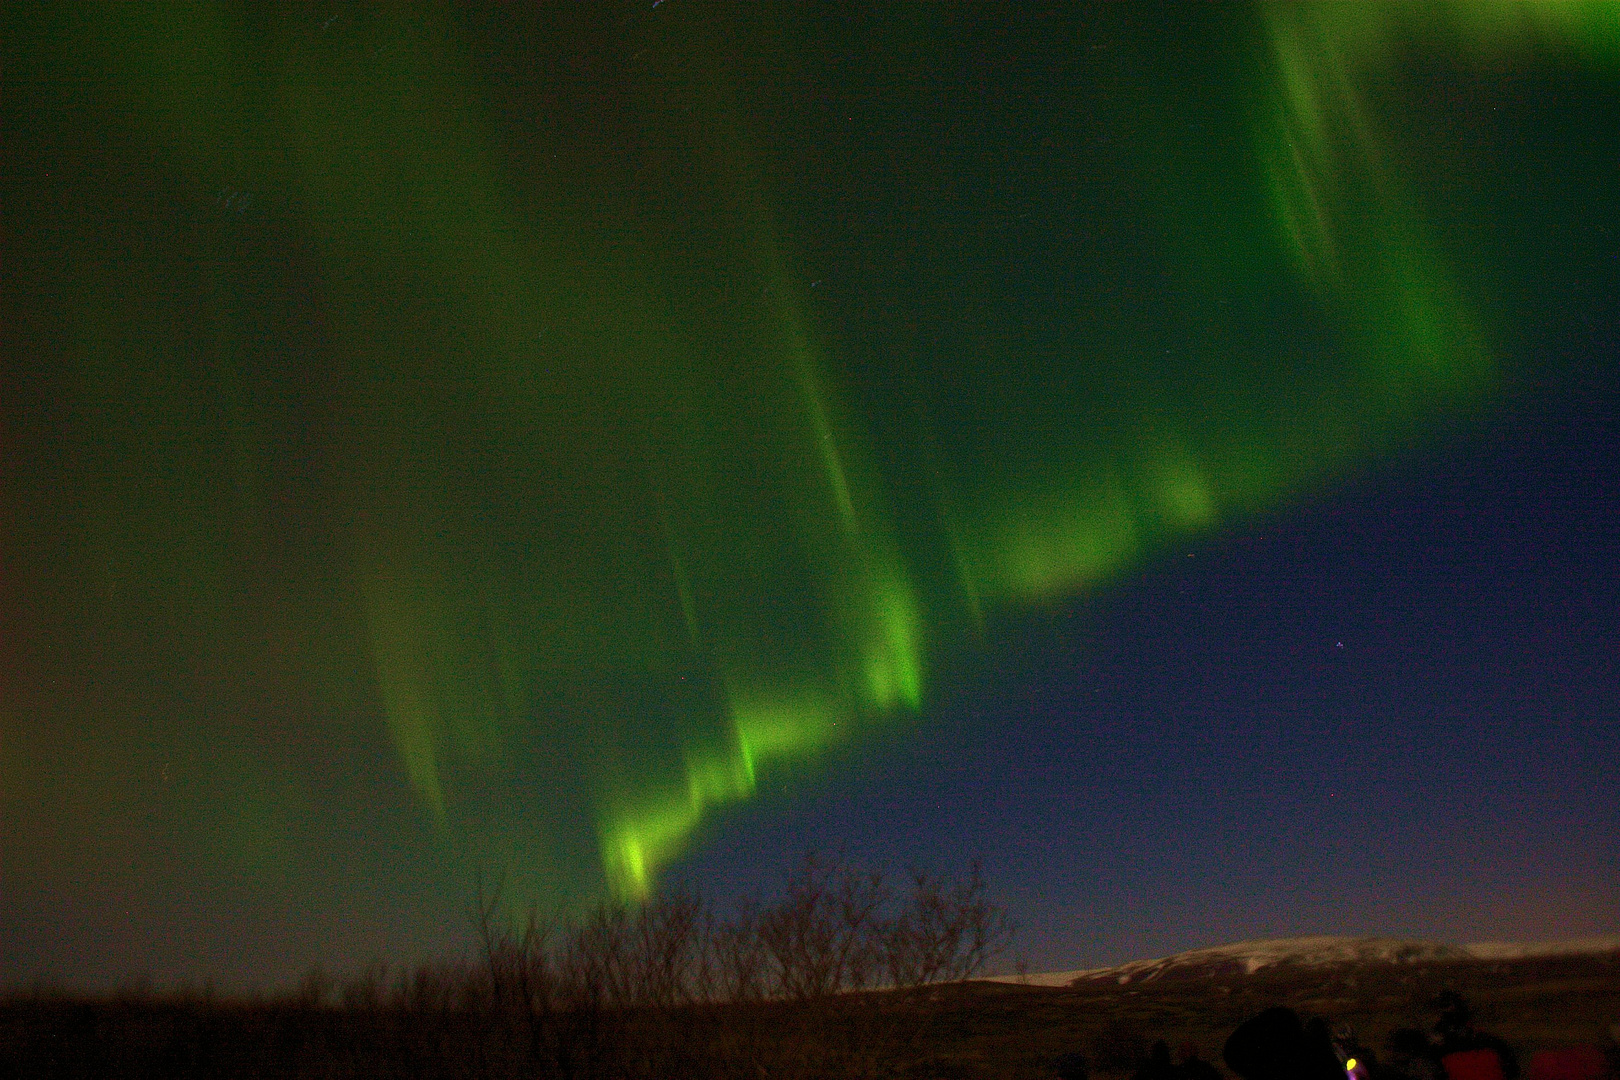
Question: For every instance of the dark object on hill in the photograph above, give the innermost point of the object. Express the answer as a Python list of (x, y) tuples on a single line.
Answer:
[(1459, 1044), (1158, 1065), (1456, 1019), (1194, 1067), (1274, 1045), (1072, 1067)]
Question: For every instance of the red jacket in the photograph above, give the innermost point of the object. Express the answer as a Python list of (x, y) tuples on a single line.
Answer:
[(1570, 1063), (1473, 1065)]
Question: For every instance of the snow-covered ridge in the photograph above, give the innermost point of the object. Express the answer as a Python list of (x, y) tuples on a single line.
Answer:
[(1248, 957), (1522, 950)]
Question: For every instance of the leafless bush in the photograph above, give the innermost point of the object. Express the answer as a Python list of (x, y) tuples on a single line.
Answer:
[(367, 992), (784, 988), (428, 988), (665, 951), (736, 960), (671, 987), (945, 932), (826, 935), (314, 989), (137, 990)]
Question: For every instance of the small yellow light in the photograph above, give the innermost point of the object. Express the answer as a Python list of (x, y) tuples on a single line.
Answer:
[(1350, 1064)]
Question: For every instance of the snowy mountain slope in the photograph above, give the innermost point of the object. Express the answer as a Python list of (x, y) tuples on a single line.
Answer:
[(1527, 950), (1249, 957)]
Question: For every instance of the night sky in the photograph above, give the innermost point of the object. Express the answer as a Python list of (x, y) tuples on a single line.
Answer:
[(1166, 452)]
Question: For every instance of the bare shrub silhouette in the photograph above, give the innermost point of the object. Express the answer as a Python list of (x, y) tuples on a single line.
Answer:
[(736, 961), (826, 935), (368, 991), (818, 980), (671, 987), (314, 989), (946, 931)]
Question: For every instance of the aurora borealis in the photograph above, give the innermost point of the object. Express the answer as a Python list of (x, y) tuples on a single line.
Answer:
[(442, 443)]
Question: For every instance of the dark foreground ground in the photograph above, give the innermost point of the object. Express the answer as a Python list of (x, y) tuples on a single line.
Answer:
[(960, 1031), (995, 1030)]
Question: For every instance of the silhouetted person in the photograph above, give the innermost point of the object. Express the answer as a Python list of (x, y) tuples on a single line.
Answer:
[(1274, 1045), (1413, 1055), (1457, 1039), (1455, 1023), (1194, 1067), (1159, 1065)]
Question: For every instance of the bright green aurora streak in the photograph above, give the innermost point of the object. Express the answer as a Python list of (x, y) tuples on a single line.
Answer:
[(622, 537)]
